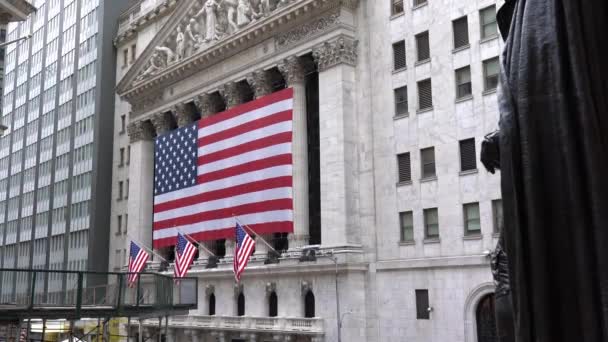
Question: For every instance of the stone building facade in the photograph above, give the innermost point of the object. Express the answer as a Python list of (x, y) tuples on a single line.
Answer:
[(394, 217)]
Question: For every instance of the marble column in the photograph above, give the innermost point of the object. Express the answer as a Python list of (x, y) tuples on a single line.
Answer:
[(141, 181), (232, 94), (336, 62), (295, 76), (184, 115), (207, 104), (260, 82)]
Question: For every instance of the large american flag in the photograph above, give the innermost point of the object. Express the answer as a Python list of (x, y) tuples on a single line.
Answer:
[(235, 163), (184, 253), (242, 251), (137, 262)]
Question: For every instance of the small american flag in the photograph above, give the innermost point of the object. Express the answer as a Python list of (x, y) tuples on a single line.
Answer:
[(184, 254), (238, 162), (137, 262), (244, 246)]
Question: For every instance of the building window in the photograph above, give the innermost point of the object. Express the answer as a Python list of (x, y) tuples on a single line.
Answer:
[(120, 189), (463, 82), (422, 304), (119, 225), (123, 123), (419, 2), (125, 57), (396, 7), (422, 46), (461, 32), (309, 304), (128, 154), (406, 224), (497, 216), (431, 223), (467, 155), (133, 53), (401, 101), (240, 310), (472, 224), (425, 95), (212, 304), (273, 304), (122, 157), (399, 55), (127, 190), (490, 74), (485, 319), (487, 19), (427, 161), (404, 167), (126, 224)]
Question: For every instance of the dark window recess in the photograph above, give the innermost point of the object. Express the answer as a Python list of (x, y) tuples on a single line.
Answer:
[(467, 155), (240, 305), (461, 32), (463, 82), (273, 305), (404, 167), (219, 248), (431, 223), (425, 95), (490, 74), (314, 164), (486, 320), (397, 7), (422, 304), (427, 159), (419, 2), (472, 223), (401, 101), (309, 305), (422, 46), (280, 242), (497, 216), (399, 55), (487, 20), (212, 304), (406, 222)]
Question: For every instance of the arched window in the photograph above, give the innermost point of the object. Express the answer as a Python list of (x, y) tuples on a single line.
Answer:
[(309, 305), (240, 305), (273, 304), (212, 304), (486, 320)]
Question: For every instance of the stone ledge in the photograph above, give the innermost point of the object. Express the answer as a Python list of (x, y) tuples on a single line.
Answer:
[(438, 262)]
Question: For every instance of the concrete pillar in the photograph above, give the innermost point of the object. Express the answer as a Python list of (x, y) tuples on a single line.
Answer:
[(294, 74), (141, 177), (336, 62)]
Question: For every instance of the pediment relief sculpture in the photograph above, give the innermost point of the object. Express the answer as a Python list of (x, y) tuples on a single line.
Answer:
[(207, 22)]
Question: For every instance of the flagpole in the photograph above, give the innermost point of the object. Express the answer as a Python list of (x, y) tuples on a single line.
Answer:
[(191, 239), (148, 249), (255, 234)]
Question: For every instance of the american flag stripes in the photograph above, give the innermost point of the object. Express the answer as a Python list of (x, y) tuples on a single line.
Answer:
[(184, 254), (137, 262), (238, 162), (242, 251)]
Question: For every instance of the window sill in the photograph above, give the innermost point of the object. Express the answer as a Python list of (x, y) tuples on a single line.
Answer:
[(396, 71), (428, 179), (461, 48), (487, 39), (404, 183), (407, 243), (397, 15), (472, 237), (420, 111), (431, 240), (468, 172), (464, 98), (420, 6), (401, 116), (424, 61), (489, 91)]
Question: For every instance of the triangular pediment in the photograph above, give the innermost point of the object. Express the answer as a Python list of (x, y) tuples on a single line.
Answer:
[(194, 27)]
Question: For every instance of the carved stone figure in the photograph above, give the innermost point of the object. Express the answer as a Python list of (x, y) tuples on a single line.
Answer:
[(244, 13), (154, 66), (180, 44), (169, 54), (209, 13), (231, 14), (193, 37)]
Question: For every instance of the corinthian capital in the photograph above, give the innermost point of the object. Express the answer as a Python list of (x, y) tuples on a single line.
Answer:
[(292, 70), (184, 114), (232, 94), (341, 50), (140, 130), (260, 82), (162, 122)]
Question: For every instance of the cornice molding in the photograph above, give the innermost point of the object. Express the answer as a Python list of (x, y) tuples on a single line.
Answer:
[(339, 51)]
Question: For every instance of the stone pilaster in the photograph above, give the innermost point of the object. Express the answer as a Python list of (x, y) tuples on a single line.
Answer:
[(162, 123), (338, 136), (184, 115), (260, 82), (232, 94), (207, 104), (295, 75), (141, 181)]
